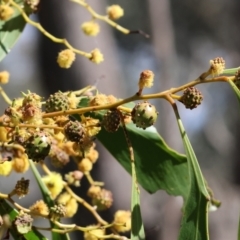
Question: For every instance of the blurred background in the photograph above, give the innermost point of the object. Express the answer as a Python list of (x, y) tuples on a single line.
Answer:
[(185, 35)]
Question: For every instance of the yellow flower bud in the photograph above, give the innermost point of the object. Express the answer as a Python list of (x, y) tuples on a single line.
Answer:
[(146, 79), (91, 28), (6, 12), (39, 208), (96, 56), (66, 58), (217, 66), (115, 12), (4, 77), (5, 168), (122, 220), (54, 184), (85, 165), (20, 165)]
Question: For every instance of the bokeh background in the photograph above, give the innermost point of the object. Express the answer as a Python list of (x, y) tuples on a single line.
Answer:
[(185, 35)]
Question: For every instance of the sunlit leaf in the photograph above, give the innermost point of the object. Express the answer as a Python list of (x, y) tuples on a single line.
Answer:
[(10, 31)]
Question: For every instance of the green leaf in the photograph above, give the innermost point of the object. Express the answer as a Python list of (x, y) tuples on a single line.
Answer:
[(235, 89), (5, 208), (48, 200), (10, 31), (137, 230), (157, 165), (194, 225)]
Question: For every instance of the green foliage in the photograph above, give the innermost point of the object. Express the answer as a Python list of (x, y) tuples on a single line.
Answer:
[(5, 208), (48, 201), (157, 165), (194, 224), (10, 31)]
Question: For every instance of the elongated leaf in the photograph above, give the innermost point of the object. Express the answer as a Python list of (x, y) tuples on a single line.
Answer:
[(235, 89), (10, 31), (5, 208), (48, 200), (157, 165), (137, 231), (194, 225)]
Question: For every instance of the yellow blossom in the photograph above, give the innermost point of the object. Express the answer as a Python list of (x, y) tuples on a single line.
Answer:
[(69, 203), (122, 220), (54, 183), (146, 79), (4, 76), (90, 28), (66, 58), (85, 165), (39, 208), (20, 165), (5, 168), (115, 12), (6, 12), (96, 56)]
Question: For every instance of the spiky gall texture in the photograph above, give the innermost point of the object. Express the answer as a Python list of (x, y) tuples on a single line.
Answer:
[(74, 131), (57, 211), (191, 97), (31, 98), (94, 234), (111, 120), (23, 223), (39, 208), (66, 58), (96, 56), (146, 79), (103, 200), (57, 102), (4, 77), (217, 66), (22, 187), (114, 12), (6, 12), (20, 164), (90, 28), (237, 79), (122, 221), (38, 146), (5, 168), (144, 114), (54, 183)]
